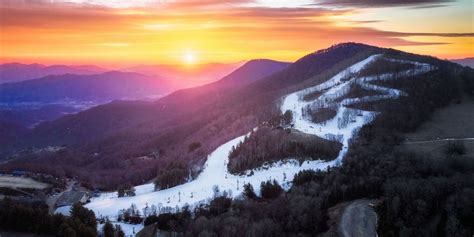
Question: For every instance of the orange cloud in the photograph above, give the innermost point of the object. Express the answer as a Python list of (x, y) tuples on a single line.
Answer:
[(230, 31)]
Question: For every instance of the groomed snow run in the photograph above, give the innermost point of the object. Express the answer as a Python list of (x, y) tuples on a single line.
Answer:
[(342, 128)]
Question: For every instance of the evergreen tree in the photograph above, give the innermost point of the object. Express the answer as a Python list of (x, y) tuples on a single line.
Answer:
[(270, 190), (249, 193), (108, 229), (84, 215), (118, 231)]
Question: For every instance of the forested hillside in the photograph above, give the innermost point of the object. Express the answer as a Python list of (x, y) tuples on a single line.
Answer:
[(132, 142), (95, 138), (420, 195), (267, 145)]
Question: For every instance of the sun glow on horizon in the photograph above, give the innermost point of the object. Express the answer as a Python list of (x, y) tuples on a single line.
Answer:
[(188, 33), (189, 58)]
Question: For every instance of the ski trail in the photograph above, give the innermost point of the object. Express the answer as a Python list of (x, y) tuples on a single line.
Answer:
[(343, 127), (347, 122)]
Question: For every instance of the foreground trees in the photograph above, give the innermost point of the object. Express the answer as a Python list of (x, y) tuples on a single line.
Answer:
[(422, 196), (173, 174), (109, 230), (34, 218), (270, 190), (126, 190)]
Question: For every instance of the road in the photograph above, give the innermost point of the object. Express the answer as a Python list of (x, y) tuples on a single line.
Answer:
[(51, 201), (440, 140), (358, 220)]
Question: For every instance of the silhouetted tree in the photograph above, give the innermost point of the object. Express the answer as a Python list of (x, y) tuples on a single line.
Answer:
[(249, 192), (270, 190)]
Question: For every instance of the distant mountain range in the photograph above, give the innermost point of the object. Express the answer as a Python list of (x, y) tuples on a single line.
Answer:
[(186, 76), (15, 72), (121, 115), (76, 88), (32, 93), (465, 62), (30, 102), (179, 76)]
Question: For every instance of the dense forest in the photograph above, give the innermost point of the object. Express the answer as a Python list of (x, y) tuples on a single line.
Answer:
[(384, 66), (321, 115), (269, 144), (174, 173), (34, 218), (421, 197), (21, 217), (356, 91)]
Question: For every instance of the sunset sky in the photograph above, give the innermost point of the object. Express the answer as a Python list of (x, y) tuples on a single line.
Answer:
[(129, 32)]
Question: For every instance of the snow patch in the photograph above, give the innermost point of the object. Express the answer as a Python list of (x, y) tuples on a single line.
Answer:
[(64, 210)]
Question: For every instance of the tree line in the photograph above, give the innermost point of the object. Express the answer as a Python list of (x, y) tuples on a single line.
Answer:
[(34, 218)]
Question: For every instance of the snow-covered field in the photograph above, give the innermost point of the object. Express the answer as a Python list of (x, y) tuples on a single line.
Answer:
[(64, 210), (342, 128)]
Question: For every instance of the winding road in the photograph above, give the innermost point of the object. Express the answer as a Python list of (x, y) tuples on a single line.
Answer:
[(440, 140)]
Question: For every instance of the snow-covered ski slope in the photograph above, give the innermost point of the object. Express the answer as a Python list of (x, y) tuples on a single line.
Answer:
[(348, 121), (215, 173), (342, 128)]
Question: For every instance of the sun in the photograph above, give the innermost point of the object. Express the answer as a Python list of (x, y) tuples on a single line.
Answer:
[(189, 58)]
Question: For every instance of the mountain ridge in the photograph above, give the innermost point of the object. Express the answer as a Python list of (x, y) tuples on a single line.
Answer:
[(186, 76), (102, 87), (469, 62), (15, 72), (166, 127)]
